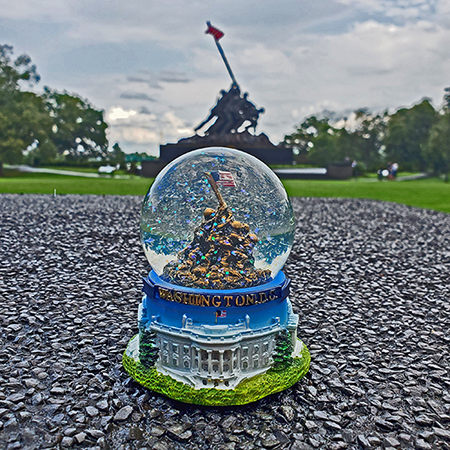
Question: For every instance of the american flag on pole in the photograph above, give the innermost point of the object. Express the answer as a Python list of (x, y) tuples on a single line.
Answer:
[(223, 178), (220, 313), (214, 31)]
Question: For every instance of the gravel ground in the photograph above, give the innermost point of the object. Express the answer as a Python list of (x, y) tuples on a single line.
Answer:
[(370, 281)]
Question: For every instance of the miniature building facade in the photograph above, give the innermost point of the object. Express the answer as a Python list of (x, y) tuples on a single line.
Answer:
[(219, 356)]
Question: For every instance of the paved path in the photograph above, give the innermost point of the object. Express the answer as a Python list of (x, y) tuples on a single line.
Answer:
[(313, 172), (72, 173)]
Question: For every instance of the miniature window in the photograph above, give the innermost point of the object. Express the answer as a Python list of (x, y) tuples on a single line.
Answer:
[(165, 359), (175, 361), (266, 360), (165, 345), (266, 347), (186, 364), (204, 355), (256, 349), (255, 364), (245, 351), (215, 355), (175, 348), (186, 349), (205, 367), (226, 368), (215, 367), (227, 355), (234, 364), (245, 365)]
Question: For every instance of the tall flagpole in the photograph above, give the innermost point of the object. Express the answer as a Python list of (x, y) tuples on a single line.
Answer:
[(217, 35)]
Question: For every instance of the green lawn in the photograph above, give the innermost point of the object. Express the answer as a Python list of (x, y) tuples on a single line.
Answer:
[(37, 183), (431, 193)]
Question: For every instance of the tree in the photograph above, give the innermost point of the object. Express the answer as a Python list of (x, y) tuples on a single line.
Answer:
[(437, 148), (24, 121), (79, 131), (407, 133), (315, 138), (283, 349), (368, 138), (324, 143), (148, 351), (117, 156), (12, 72)]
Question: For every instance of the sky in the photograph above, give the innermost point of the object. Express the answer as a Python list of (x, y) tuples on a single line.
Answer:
[(150, 66)]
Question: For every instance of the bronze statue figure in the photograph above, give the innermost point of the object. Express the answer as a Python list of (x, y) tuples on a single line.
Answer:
[(231, 112)]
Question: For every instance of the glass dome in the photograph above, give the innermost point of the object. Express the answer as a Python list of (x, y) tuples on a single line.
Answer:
[(217, 218)]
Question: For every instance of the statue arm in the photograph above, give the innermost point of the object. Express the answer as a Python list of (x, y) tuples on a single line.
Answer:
[(204, 122)]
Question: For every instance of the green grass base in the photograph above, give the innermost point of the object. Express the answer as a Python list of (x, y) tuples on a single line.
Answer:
[(248, 391)]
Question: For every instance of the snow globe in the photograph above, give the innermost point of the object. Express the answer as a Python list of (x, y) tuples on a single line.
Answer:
[(216, 326)]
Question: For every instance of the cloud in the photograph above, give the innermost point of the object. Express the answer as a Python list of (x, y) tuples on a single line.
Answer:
[(144, 131), (147, 79), (154, 80), (119, 113), (137, 96), (144, 110), (173, 77)]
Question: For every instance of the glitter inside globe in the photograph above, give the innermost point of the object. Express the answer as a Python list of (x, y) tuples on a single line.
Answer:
[(217, 218)]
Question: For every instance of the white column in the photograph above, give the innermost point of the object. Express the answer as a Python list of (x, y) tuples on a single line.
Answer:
[(221, 363), (209, 362)]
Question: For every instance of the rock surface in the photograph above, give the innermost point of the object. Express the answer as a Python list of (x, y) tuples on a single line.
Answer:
[(369, 279)]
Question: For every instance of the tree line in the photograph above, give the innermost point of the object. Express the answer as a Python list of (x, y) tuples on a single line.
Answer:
[(59, 127), (48, 127), (417, 138)]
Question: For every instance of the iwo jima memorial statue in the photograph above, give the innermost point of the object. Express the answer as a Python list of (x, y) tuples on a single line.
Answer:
[(230, 122)]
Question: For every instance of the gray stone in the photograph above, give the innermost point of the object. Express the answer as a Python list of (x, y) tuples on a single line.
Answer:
[(179, 433), (91, 411), (321, 415), (440, 432), (102, 405), (422, 445), (391, 442), (136, 433), (123, 413), (15, 398), (67, 441), (157, 431), (288, 413), (96, 434), (362, 441), (424, 420), (80, 437), (69, 431)]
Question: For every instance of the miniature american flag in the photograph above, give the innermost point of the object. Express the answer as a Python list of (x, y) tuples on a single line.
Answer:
[(220, 313), (214, 31), (223, 178)]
